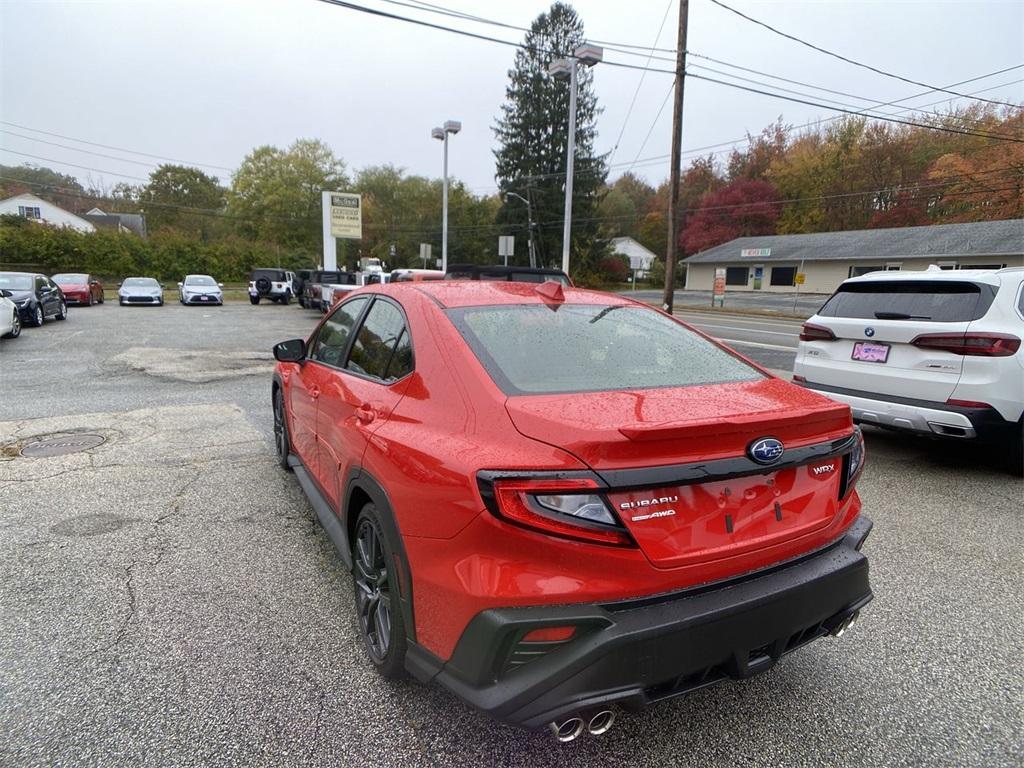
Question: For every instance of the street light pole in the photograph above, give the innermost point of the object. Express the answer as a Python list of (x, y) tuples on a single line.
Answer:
[(588, 55), (450, 126)]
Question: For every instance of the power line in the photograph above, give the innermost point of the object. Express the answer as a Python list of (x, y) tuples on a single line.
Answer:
[(79, 149), (640, 84), (73, 165), (806, 102), (827, 52), (118, 149)]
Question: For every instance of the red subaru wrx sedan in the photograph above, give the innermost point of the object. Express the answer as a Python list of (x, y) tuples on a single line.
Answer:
[(557, 501)]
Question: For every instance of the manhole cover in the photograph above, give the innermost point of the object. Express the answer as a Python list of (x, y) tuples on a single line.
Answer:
[(58, 446)]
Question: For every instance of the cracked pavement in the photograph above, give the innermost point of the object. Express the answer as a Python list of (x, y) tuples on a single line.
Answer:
[(168, 599)]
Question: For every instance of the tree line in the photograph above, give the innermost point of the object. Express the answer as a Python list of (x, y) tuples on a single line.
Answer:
[(839, 174)]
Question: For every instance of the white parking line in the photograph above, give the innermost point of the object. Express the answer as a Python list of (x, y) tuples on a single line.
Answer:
[(749, 330), (757, 344)]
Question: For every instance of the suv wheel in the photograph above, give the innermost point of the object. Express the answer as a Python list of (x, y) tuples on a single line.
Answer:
[(380, 616), (1015, 455), (287, 298), (254, 299)]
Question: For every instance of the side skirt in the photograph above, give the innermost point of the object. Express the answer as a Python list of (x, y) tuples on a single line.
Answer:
[(328, 520)]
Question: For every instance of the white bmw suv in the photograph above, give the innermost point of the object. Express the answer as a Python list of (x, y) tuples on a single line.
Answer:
[(933, 351)]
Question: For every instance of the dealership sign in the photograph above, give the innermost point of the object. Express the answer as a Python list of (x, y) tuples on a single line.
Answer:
[(755, 253), (346, 211)]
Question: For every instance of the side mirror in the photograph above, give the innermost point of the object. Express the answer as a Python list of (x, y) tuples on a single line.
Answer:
[(5, 293), (179, 285), (291, 351), (220, 285)]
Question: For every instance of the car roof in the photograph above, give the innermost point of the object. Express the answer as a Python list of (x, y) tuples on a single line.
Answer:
[(932, 273), (479, 293), (26, 274)]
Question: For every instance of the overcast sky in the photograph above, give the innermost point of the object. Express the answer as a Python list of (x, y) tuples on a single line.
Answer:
[(205, 82)]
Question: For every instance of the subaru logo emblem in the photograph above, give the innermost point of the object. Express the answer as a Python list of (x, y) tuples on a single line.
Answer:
[(765, 450), (869, 331)]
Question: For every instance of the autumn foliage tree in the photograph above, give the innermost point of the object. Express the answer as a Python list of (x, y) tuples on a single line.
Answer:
[(741, 209)]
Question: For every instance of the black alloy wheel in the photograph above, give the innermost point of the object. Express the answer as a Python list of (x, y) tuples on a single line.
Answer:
[(282, 440), (380, 615)]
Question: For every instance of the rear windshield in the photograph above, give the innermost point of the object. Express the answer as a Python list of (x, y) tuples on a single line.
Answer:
[(941, 301), (534, 349), (15, 282), (273, 275)]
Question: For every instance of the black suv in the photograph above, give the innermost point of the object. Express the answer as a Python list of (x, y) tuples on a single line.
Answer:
[(508, 274)]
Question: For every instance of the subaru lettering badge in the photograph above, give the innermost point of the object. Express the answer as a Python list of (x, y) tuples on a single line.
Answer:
[(869, 331), (765, 450)]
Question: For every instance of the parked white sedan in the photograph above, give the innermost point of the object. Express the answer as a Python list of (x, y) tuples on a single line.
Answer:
[(10, 320), (935, 352)]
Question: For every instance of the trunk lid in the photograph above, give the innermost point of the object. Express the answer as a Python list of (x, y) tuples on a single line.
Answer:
[(678, 524)]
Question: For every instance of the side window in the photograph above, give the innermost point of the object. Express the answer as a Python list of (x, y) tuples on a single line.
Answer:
[(382, 348), (40, 283), (329, 345), (1020, 301)]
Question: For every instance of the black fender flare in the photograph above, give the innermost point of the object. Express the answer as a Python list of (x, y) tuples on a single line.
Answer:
[(360, 479)]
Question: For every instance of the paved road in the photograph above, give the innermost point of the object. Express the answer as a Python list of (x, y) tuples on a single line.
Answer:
[(167, 599), (771, 342), (803, 305)]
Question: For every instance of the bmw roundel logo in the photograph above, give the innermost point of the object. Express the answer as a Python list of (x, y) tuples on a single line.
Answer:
[(869, 331), (765, 450)]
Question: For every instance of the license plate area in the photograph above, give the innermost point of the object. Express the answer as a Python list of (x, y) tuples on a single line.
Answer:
[(870, 352), (696, 522)]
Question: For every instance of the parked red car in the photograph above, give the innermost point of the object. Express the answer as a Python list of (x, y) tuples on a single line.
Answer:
[(80, 288), (556, 501)]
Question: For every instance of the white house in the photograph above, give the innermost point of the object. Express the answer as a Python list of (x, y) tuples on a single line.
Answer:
[(37, 209), (640, 259)]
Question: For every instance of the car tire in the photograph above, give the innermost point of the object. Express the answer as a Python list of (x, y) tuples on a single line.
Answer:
[(92, 299), (254, 300), (160, 303), (38, 318), (287, 299), (102, 297), (378, 611), (15, 331), (282, 438), (1015, 454), (62, 313)]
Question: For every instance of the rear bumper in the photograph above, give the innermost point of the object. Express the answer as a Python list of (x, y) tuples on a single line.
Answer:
[(635, 653), (923, 416)]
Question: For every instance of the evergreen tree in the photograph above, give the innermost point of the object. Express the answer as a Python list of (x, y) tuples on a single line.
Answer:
[(533, 131)]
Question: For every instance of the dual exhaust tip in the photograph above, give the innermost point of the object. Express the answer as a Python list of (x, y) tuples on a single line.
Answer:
[(573, 727), (845, 624)]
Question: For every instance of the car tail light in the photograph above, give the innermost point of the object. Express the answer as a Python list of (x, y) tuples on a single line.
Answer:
[(799, 379), (974, 344), (853, 465), (811, 332), (555, 505), (967, 403)]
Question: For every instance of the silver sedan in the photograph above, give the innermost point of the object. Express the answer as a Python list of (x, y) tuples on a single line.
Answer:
[(140, 290)]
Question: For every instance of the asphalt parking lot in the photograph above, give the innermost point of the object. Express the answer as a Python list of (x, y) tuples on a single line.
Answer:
[(167, 598)]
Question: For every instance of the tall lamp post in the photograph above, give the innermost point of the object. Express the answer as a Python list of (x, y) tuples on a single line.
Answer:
[(587, 55), (529, 219), (441, 134)]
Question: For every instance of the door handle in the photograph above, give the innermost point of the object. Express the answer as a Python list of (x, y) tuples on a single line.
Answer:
[(365, 414), (314, 391)]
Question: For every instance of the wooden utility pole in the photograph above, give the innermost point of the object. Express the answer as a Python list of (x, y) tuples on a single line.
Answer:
[(674, 216)]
